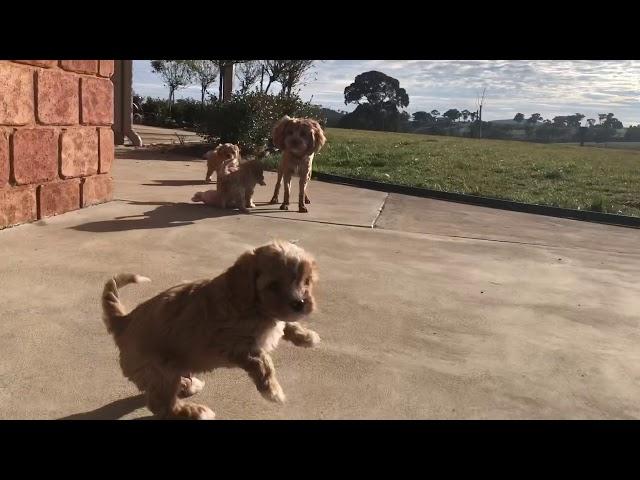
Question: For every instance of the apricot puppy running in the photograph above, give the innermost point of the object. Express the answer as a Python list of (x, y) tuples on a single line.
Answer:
[(233, 320)]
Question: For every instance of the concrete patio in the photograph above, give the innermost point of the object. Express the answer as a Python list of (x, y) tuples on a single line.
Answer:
[(441, 311)]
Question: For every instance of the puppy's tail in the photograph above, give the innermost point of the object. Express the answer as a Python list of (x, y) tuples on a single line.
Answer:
[(113, 311)]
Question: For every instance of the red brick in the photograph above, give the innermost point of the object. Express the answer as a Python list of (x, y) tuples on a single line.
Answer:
[(40, 63), (82, 66), (107, 149), (16, 94), (58, 98), (106, 68), (97, 101), (4, 158), (96, 189), (35, 155), (17, 205), (79, 152), (58, 197)]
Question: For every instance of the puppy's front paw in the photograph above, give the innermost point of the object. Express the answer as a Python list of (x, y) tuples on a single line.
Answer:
[(273, 392), (312, 339), (284, 206), (193, 411), (189, 386), (273, 201), (205, 413), (302, 208), (251, 205)]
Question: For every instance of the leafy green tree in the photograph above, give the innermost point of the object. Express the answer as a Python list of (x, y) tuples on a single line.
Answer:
[(175, 74)]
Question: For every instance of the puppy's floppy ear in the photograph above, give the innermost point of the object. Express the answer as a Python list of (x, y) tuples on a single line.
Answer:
[(278, 132), (242, 281), (318, 136)]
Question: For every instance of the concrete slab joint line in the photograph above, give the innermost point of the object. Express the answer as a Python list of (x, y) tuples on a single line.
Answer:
[(384, 202)]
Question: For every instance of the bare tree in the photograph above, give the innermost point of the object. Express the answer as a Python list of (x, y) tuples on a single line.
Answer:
[(293, 74), (205, 72), (479, 105), (262, 72), (273, 69), (175, 73), (248, 73)]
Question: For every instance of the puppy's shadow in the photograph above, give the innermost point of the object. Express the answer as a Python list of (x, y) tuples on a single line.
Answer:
[(165, 215), (113, 411)]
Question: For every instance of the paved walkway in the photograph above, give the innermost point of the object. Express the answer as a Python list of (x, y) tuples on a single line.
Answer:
[(157, 135), (440, 311)]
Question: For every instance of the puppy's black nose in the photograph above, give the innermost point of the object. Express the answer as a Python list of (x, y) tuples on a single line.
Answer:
[(297, 305)]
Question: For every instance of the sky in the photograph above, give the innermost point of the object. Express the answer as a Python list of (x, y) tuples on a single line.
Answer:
[(548, 87)]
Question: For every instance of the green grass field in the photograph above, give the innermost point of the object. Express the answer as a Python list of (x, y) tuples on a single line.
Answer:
[(568, 176)]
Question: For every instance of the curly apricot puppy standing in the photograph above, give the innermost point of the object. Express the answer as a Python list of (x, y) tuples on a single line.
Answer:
[(299, 139), (223, 159), (233, 320)]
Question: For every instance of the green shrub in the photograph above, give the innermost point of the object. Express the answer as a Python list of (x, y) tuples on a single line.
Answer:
[(187, 112), (247, 119)]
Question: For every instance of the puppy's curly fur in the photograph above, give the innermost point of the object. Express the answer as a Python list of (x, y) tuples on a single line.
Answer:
[(233, 320), (223, 159), (299, 139), (237, 187)]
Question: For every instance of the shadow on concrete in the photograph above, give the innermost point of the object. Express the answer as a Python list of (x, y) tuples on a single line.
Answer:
[(165, 215), (113, 410), (171, 153), (177, 183)]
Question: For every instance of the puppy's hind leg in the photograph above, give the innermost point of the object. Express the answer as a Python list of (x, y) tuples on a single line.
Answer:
[(162, 398), (276, 191), (249, 198), (300, 336), (287, 190), (210, 169), (240, 199), (305, 174)]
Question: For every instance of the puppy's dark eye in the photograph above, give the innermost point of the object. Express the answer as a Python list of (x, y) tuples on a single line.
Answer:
[(307, 281)]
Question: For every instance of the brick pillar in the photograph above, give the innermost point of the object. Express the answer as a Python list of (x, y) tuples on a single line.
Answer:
[(56, 141)]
